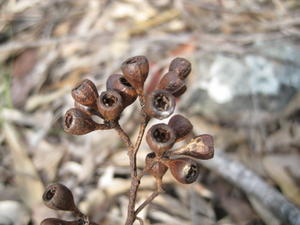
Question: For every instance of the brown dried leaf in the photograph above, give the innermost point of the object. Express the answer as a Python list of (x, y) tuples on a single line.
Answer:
[(49, 164), (24, 63), (277, 167), (21, 82), (263, 212), (28, 182)]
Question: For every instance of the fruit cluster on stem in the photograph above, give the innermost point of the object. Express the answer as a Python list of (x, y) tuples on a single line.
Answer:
[(121, 91)]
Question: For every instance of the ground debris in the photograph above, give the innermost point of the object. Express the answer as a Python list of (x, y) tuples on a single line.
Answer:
[(244, 90)]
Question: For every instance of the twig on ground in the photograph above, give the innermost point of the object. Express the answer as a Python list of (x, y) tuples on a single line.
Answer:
[(253, 185)]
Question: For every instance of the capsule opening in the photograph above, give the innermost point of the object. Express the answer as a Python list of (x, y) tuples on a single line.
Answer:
[(49, 194), (192, 173), (68, 120), (161, 135), (109, 100), (125, 82), (161, 102)]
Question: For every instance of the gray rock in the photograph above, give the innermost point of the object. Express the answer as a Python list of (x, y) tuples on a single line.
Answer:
[(13, 213), (230, 89)]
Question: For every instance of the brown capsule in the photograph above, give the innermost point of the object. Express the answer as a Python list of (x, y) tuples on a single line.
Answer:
[(119, 83), (200, 147), (87, 109), (181, 126), (78, 122), (85, 93), (184, 170), (160, 104), (181, 66), (171, 83), (59, 197), (135, 70), (110, 104), (160, 138), (158, 169), (55, 221), (180, 92)]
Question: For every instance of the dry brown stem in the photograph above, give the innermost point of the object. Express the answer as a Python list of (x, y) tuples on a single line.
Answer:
[(147, 201), (135, 177)]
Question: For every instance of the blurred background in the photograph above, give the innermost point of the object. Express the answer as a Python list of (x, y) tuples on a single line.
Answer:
[(244, 90)]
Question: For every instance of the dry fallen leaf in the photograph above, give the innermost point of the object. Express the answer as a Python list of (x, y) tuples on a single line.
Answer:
[(27, 180), (49, 164), (29, 185), (276, 167), (263, 212)]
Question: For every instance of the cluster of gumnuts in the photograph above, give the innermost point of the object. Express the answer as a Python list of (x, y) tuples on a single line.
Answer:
[(121, 91)]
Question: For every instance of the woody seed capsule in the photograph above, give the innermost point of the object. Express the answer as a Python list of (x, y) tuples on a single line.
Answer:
[(135, 70), (184, 170), (119, 83), (59, 197), (180, 92), (158, 169), (181, 66), (85, 93), (78, 122), (87, 109), (200, 147), (181, 126), (110, 105), (160, 137), (172, 83), (160, 104)]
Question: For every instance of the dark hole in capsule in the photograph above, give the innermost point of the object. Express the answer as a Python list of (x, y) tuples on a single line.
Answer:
[(151, 155), (125, 82), (80, 222), (161, 135), (192, 173), (49, 195), (109, 100), (68, 120), (161, 102)]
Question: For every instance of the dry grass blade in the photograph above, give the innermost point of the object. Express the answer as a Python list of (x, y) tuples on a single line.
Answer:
[(27, 179)]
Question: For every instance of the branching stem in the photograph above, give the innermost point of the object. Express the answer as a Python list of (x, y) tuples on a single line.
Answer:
[(132, 154), (123, 135), (146, 202)]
